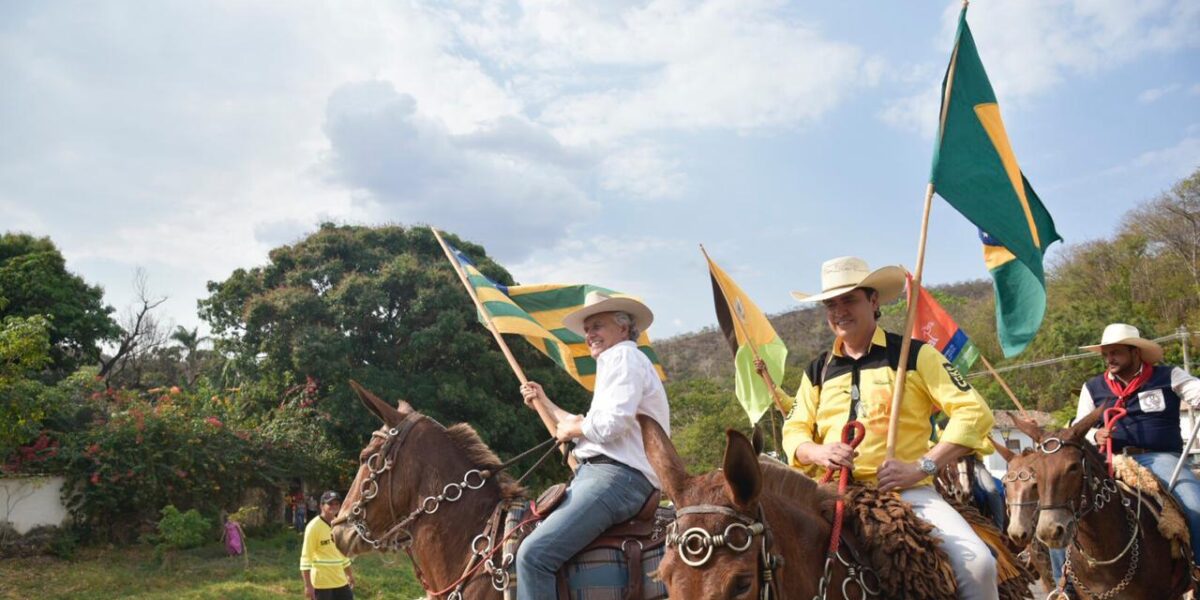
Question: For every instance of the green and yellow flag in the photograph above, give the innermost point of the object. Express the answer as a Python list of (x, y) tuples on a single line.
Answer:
[(745, 326), (535, 312), (975, 170)]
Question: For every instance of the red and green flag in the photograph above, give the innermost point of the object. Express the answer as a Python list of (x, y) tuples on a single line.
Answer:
[(934, 326), (976, 171)]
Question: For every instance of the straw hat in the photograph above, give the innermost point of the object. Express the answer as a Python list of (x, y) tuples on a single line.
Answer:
[(597, 302), (1120, 333), (846, 273)]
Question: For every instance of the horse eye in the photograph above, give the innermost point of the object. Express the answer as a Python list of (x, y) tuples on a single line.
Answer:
[(741, 586)]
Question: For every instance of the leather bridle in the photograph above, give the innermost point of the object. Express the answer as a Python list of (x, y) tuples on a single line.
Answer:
[(697, 544)]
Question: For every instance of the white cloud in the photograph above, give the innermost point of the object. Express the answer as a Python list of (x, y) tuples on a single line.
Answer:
[(1178, 161), (643, 171), (499, 187), (666, 65), (1154, 94)]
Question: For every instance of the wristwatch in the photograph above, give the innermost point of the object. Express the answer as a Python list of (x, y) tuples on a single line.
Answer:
[(927, 466)]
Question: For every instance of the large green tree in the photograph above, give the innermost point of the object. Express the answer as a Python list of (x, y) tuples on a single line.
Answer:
[(34, 281), (383, 306)]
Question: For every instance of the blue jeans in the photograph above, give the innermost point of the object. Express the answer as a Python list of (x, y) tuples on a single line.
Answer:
[(601, 495), (1187, 489), (1058, 558)]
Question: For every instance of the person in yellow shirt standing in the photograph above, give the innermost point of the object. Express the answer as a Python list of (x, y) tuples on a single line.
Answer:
[(854, 381), (325, 570)]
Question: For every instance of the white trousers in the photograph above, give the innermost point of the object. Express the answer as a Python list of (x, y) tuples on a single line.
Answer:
[(972, 560)]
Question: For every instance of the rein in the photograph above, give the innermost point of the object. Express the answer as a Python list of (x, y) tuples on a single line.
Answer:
[(696, 544), (853, 433), (398, 536)]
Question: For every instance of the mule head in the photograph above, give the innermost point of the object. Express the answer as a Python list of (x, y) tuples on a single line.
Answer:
[(367, 490), (1021, 495), (1066, 462), (688, 569)]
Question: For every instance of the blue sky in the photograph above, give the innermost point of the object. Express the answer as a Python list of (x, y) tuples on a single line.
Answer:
[(597, 142)]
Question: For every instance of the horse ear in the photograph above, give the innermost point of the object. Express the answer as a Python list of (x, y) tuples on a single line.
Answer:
[(1029, 428), (1002, 450), (379, 408), (743, 480), (1079, 429), (663, 458)]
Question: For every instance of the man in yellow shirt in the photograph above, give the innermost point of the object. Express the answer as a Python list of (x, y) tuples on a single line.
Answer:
[(325, 570), (855, 379)]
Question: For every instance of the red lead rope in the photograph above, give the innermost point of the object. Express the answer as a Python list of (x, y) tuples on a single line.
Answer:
[(1111, 416), (852, 434)]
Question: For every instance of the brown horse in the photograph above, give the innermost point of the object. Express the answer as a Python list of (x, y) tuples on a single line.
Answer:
[(439, 494), (1114, 549)]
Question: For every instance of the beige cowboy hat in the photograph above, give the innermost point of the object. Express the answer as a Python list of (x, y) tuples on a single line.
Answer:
[(597, 302), (846, 273), (1120, 333)]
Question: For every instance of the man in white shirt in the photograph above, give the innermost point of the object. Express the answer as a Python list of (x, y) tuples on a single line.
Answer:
[(614, 477), (1152, 394)]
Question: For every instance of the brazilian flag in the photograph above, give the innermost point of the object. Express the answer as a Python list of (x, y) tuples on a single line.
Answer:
[(975, 170)]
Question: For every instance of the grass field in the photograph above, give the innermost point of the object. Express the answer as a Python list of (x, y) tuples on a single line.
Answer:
[(204, 573)]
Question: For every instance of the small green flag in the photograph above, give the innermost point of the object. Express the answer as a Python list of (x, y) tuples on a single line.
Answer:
[(976, 171)]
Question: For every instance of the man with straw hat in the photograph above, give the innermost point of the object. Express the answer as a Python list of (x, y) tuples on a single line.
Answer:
[(1152, 394), (854, 381), (614, 477)]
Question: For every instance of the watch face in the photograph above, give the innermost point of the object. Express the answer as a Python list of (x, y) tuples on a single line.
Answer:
[(927, 465)]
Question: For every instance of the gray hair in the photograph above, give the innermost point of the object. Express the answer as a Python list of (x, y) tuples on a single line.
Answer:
[(625, 319)]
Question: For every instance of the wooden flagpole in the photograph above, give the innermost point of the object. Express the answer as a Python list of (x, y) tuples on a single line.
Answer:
[(737, 319), (547, 418), (1003, 384), (906, 343)]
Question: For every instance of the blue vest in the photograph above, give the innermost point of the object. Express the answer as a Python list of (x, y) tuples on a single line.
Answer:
[(1152, 421)]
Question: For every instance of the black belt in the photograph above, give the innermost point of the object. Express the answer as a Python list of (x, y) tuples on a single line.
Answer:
[(600, 459)]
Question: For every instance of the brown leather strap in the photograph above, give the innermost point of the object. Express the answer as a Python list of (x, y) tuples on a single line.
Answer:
[(564, 592), (633, 558)]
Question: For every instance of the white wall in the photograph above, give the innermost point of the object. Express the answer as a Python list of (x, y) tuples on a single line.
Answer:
[(28, 502)]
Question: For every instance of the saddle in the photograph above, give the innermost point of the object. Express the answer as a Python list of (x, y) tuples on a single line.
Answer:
[(634, 539)]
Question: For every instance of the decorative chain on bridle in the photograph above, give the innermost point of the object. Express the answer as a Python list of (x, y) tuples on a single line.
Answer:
[(398, 536), (696, 544), (1105, 489)]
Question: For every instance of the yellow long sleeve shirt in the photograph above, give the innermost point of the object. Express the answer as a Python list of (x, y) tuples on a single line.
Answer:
[(823, 403)]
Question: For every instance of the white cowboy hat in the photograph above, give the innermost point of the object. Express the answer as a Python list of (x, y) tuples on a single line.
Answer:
[(1120, 333), (846, 273), (597, 302)]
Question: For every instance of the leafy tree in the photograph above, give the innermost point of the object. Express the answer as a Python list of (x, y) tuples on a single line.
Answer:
[(24, 350), (34, 281), (382, 306), (190, 342)]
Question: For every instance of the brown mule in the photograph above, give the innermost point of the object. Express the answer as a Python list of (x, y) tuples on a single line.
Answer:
[(1114, 550), (439, 494)]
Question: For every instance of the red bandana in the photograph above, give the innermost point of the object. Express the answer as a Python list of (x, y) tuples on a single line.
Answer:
[(1124, 392)]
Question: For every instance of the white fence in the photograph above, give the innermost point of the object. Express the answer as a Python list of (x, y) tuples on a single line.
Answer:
[(28, 502)]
